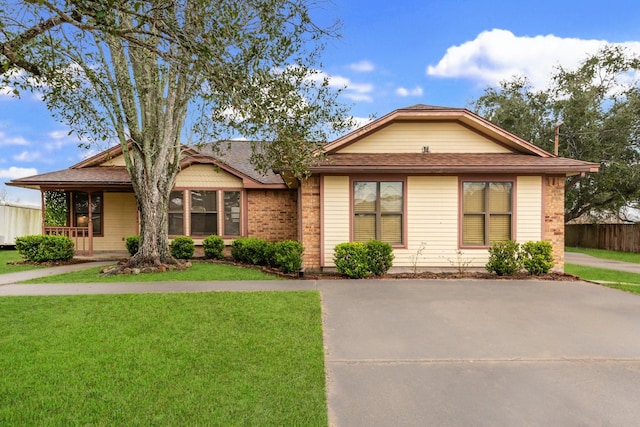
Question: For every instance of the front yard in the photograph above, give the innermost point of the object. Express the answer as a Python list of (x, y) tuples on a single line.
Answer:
[(163, 359)]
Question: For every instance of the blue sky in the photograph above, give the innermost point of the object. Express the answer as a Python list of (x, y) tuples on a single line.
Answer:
[(391, 54)]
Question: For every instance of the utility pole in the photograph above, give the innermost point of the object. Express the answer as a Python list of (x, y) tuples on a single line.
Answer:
[(556, 140)]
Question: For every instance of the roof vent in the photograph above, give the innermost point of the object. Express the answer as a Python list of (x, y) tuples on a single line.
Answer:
[(425, 149)]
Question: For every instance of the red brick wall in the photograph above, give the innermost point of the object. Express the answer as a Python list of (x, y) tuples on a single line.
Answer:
[(310, 239), (554, 217), (273, 214)]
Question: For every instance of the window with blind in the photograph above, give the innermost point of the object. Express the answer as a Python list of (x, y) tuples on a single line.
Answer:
[(378, 209), (176, 213), (208, 212), (487, 209), (204, 213)]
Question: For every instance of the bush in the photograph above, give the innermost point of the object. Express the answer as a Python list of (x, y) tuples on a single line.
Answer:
[(132, 243), (286, 255), (45, 248), (213, 247), (351, 259), (503, 258), (250, 250), (182, 247), (380, 257), (537, 257)]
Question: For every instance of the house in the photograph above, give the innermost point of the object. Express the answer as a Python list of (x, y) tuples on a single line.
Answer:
[(439, 184)]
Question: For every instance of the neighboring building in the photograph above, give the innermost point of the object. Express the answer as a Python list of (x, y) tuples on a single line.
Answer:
[(17, 220), (439, 184)]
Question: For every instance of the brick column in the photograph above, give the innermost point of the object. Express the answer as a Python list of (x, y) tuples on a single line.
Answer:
[(554, 217), (310, 222)]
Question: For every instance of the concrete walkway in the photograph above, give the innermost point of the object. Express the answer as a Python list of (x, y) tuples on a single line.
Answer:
[(588, 260)]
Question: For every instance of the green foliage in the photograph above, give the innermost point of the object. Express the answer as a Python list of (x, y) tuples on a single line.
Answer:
[(287, 255), (56, 208), (503, 258), (380, 257), (182, 247), (132, 243), (351, 259), (537, 257), (599, 106), (251, 250), (45, 248), (357, 260), (213, 247)]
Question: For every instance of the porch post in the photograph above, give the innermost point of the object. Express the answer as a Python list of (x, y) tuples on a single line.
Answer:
[(42, 213), (90, 209)]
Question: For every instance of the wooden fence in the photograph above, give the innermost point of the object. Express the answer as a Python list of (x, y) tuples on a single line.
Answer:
[(614, 237)]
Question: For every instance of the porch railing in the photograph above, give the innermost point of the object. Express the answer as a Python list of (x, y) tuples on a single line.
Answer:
[(80, 237)]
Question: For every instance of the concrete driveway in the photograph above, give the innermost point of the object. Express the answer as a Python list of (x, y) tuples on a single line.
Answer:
[(481, 353)]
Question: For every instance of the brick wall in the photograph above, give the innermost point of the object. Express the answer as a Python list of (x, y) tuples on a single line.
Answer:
[(273, 214), (310, 203), (554, 217)]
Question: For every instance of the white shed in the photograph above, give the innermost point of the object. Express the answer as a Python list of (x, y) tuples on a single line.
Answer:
[(18, 220)]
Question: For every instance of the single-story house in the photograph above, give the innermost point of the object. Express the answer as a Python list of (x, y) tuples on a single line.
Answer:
[(439, 184)]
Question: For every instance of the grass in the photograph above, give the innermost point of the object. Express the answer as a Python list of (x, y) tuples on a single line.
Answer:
[(199, 271), (13, 255), (221, 358), (612, 278), (613, 255)]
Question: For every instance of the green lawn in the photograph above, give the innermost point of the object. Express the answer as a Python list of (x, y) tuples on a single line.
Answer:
[(13, 255), (199, 271), (218, 358), (602, 253), (611, 278)]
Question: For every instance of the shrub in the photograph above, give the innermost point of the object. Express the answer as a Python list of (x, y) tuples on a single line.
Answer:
[(351, 259), (213, 247), (132, 243), (45, 248), (250, 250), (537, 257), (182, 247), (503, 258), (287, 255), (379, 256)]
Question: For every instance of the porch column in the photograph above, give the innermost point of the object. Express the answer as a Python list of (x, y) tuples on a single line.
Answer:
[(90, 209), (42, 211)]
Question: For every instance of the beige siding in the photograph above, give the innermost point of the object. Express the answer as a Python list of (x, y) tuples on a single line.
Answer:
[(529, 209), (441, 137), (432, 222), (120, 221), (206, 176), (336, 214), (115, 161)]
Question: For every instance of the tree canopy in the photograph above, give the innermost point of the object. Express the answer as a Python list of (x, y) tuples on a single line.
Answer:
[(597, 109), (153, 75)]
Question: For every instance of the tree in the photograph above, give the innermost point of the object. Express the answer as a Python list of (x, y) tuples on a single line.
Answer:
[(150, 74), (598, 105)]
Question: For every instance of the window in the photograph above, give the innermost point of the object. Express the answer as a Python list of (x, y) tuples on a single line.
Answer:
[(378, 208), (81, 210), (176, 213), (204, 213), (487, 212), (231, 213)]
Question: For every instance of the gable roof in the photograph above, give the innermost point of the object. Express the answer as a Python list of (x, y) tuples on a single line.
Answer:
[(231, 156), (522, 156)]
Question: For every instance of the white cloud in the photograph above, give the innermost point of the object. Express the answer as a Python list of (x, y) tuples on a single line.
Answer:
[(360, 121), (357, 92), (363, 66), (27, 156), (403, 91), (498, 55), (15, 172), (15, 140)]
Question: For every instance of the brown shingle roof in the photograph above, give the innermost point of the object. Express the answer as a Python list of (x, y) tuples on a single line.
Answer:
[(90, 176), (447, 163)]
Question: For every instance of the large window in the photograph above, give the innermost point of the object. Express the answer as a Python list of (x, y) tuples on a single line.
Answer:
[(487, 212), (378, 209), (81, 210), (204, 213), (208, 212)]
